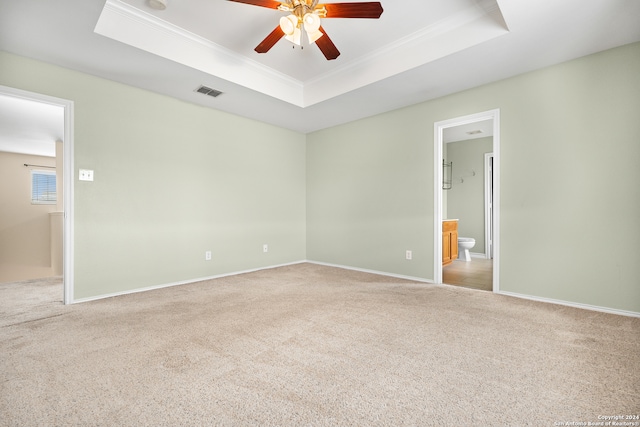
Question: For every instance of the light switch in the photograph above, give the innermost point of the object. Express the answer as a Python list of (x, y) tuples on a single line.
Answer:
[(85, 175)]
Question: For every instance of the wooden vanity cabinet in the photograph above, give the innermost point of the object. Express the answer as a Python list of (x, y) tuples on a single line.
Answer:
[(449, 241)]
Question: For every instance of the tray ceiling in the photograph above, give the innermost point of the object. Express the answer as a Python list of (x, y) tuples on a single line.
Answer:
[(417, 51)]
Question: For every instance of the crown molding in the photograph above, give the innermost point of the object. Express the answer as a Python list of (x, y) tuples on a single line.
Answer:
[(129, 25), (467, 28), (460, 31)]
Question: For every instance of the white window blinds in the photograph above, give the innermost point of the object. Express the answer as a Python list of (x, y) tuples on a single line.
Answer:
[(43, 187)]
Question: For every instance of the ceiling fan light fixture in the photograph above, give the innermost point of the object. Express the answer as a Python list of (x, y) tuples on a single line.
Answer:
[(288, 24), (314, 36), (311, 22), (306, 14), (296, 37)]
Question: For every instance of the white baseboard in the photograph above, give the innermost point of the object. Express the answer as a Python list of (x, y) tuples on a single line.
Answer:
[(183, 282), (572, 304), (364, 270), (380, 273), (511, 294)]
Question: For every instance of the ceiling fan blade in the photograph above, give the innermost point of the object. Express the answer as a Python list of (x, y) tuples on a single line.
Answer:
[(271, 4), (327, 47), (270, 40), (372, 10)]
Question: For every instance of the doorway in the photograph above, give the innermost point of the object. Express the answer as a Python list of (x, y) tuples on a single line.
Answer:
[(490, 225), (65, 149)]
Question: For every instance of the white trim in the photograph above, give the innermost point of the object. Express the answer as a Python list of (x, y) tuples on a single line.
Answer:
[(438, 130), (496, 201), (415, 40), (69, 203), (438, 144), (182, 282), (130, 25), (572, 304), (363, 270), (380, 273), (67, 176), (488, 204), (463, 30)]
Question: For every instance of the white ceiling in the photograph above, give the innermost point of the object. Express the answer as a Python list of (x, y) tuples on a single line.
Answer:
[(473, 130), (220, 38), (418, 50), (30, 127)]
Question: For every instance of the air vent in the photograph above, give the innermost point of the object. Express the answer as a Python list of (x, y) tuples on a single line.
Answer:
[(208, 91)]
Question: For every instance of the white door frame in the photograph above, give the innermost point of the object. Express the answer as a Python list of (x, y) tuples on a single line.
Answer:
[(439, 128), (488, 205), (68, 178)]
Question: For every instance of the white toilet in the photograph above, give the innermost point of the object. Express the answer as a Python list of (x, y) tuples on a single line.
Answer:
[(464, 244)]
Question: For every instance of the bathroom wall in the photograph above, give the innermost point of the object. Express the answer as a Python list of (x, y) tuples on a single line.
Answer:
[(25, 251), (465, 200), (171, 181)]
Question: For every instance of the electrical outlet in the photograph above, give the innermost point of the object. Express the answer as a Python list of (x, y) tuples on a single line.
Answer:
[(409, 255), (207, 256), (265, 248)]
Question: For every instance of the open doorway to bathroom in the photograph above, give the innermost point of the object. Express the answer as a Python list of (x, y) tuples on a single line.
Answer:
[(35, 151), (469, 147), (469, 199)]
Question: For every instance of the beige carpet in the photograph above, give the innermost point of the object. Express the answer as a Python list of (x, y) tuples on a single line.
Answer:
[(309, 345)]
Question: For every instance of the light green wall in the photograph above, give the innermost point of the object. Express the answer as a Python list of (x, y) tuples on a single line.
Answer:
[(368, 194), (570, 197), (570, 216), (570, 155), (465, 199), (172, 180)]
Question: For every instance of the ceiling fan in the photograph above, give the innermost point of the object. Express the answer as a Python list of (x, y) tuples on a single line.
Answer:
[(306, 14)]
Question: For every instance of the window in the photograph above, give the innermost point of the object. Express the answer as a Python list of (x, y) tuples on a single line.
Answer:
[(43, 187)]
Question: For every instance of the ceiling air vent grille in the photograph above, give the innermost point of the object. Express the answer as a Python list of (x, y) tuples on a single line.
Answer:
[(208, 91)]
